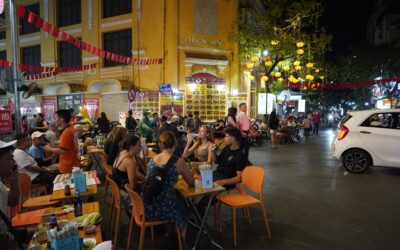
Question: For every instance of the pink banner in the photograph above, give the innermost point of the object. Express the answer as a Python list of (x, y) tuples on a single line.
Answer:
[(92, 107), (49, 109), (5, 121)]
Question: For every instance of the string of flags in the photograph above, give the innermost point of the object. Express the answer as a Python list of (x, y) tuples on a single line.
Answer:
[(55, 31), (342, 86)]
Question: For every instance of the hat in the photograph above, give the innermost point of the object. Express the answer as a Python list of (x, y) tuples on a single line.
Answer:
[(7, 144), (36, 134)]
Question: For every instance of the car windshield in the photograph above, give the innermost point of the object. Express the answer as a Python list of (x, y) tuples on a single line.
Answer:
[(344, 120)]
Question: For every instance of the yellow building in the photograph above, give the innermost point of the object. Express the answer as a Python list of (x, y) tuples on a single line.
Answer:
[(193, 37)]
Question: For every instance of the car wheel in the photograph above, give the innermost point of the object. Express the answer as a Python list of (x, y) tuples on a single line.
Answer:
[(356, 160)]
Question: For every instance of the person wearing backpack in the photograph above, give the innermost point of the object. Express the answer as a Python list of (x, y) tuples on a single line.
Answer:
[(161, 201), (130, 122)]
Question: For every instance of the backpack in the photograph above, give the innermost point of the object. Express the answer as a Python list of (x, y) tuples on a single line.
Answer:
[(154, 184)]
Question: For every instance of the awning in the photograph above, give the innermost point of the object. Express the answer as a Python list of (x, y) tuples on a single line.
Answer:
[(108, 85), (62, 88), (206, 59)]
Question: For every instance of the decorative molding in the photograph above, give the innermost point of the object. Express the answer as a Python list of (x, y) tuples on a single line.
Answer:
[(48, 64), (93, 58), (78, 30), (141, 52), (29, 39), (210, 50), (116, 23), (2, 44), (90, 12)]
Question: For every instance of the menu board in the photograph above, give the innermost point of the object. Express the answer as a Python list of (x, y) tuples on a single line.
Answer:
[(170, 103), (70, 101), (145, 101), (207, 98)]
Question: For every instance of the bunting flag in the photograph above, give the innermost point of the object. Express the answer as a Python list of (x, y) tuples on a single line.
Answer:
[(340, 86), (84, 46)]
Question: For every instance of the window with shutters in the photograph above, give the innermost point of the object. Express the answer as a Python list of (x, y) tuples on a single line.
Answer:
[(31, 56), (69, 55), (116, 7), (68, 12), (26, 27), (118, 42)]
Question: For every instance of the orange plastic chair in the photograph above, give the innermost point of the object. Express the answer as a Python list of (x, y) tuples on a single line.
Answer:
[(108, 169), (252, 179), (116, 208), (25, 189), (138, 215)]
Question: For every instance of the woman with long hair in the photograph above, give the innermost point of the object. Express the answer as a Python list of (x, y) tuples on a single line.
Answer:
[(169, 206), (127, 169), (114, 143), (201, 149), (273, 124), (230, 119)]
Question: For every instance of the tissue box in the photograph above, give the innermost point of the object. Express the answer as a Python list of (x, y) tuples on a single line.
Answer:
[(206, 178), (70, 243), (80, 182)]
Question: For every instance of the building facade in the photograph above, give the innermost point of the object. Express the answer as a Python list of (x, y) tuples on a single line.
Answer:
[(195, 39)]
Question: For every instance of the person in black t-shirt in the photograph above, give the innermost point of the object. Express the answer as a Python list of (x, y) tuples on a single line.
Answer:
[(231, 161)]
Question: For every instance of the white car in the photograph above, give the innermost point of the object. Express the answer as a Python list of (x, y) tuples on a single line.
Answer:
[(368, 138)]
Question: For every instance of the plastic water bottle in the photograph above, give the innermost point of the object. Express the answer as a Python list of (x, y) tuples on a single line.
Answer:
[(77, 204)]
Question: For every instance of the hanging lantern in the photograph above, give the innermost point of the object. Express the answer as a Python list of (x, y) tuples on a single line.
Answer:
[(299, 44), (274, 42), (316, 70), (249, 65), (280, 79), (251, 78), (286, 68), (300, 52), (254, 59), (310, 77), (281, 63), (298, 67), (310, 65), (277, 74), (268, 63), (296, 63), (264, 78), (267, 58)]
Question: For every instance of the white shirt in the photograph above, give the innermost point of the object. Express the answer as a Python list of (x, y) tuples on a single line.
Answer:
[(3, 207), (243, 121), (23, 159), (51, 137)]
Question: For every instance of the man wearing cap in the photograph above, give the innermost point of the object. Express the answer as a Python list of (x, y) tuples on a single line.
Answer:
[(37, 151), (68, 150), (145, 128), (8, 196), (27, 164)]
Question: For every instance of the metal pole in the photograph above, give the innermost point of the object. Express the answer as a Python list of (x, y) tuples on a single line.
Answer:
[(15, 53)]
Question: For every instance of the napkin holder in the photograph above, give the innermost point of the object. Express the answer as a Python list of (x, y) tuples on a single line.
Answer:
[(80, 182), (206, 178)]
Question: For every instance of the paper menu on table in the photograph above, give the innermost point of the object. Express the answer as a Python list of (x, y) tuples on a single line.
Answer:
[(61, 185)]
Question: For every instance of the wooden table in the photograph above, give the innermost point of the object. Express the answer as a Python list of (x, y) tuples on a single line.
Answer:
[(60, 195), (86, 209), (189, 193)]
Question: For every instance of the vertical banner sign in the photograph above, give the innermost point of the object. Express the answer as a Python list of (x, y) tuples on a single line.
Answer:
[(302, 106), (49, 109), (92, 107), (262, 103), (1, 6), (5, 121)]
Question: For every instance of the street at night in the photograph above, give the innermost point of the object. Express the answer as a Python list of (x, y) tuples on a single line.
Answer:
[(199, 124)]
